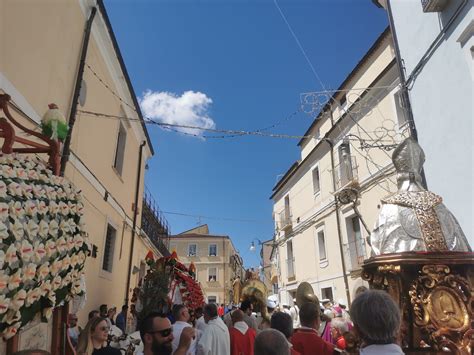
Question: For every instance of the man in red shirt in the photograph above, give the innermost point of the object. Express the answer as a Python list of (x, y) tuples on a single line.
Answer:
[(306, 340), (220, 310), (242, 337)]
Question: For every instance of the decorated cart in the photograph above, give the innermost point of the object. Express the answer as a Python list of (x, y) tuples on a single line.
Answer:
[(43, 245), (166, 283)]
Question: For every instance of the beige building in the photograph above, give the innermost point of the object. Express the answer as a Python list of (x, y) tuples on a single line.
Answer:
[(321, 237), (217, 261), (39, 65)]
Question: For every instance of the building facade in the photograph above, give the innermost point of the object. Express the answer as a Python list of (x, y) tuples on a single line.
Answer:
[(217, 261), (436, 41), (39, 65), (327, 202)]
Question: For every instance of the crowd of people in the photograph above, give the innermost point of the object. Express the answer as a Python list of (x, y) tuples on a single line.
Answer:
[(371, 327)]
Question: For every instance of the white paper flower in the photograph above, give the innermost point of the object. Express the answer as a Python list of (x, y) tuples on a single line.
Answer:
[(3, 189), (51, 248), (27, 190), (61, 194), (11, 256), (39, 252), (4, 303), (66, 261), (2, 259), (46, 288), (18, 300), (56, 282), (43, 178), (61, 244), (70, 243), (3, 231), (32, 229), (32, 296), (11, 331), (43, 271), (17, 229), (80, 208), (31, 208), (74, 260), (12, 317), (63, 208), (4, 211), (32, 174), (26, 251), (14, 189), (51, 193), (16, 209), (43, 229), (64, 226), (4, 278), (56, 267), (29, 272), (82, 257), (21, 174), (53, 228), (9, 172), (53, 208), (15, 280), (78, 241), (38, 191), (66, 280)]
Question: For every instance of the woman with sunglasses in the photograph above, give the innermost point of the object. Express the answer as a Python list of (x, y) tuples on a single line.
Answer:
[(94, 337)]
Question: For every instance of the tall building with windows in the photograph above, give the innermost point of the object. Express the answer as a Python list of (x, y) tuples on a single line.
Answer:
[(39, 65), (324, 202), (217, 261)]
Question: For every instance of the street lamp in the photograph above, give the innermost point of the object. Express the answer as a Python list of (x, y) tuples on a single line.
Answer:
[(252, 244)]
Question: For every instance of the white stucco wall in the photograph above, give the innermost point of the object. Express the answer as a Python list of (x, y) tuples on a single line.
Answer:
[(442, 99)]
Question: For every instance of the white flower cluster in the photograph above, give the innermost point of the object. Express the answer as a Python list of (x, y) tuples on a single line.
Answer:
[(43, 245)]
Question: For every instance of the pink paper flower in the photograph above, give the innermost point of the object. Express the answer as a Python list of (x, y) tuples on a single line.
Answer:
[(3, 231), (17, 229), (16, 209), (3, 189), (4, 211), (43, 271), (11, 256), (29, 272), (43, 229), (26, 251), (11, 331), (18, 300), (15, 280)]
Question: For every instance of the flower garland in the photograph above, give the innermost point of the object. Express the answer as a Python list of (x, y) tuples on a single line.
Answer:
[(43, 245)]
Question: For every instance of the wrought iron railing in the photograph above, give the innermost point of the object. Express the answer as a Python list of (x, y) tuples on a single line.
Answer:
[(285, 218), (154, 224), (290, 268)]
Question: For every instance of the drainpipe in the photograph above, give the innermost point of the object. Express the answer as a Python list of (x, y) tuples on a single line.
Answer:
[(135, 214), (77, 89), (338, 220)]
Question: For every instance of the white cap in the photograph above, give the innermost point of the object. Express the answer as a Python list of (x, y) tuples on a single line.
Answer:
[(326, 300), (271, 304), (340, 302)]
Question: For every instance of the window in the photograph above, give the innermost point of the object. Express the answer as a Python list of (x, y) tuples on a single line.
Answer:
[(290, 259), (211, 299), (316, 182), (212, 274), (356, 242), (107, 263), (192, 250), (345, 163), (326, 293), (212, 249), (321, 245), (400, 109), (120, 150)]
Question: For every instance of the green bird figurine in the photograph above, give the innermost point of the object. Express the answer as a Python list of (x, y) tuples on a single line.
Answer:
[(53, 124)]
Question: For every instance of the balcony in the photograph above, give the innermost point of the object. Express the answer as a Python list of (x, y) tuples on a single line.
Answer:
[(346, 173), (285, 219), (290, 269), (154, 224)]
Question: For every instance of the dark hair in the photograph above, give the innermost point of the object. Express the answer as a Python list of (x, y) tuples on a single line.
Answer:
[(309, 312), (282, 321), (177, 308), (103, 307), (376, 317), (245, 305), (210, 310), (124, 307), (271, 342), (198, 310), (93, 314), (146, 325)]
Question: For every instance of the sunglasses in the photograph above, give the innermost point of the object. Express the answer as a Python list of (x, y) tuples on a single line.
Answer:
[(103, 329), (163, 333)]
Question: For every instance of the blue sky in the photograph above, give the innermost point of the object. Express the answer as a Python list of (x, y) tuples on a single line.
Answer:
[(242, 70)]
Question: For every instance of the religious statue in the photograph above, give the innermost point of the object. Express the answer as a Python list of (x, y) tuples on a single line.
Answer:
[(414, 219)]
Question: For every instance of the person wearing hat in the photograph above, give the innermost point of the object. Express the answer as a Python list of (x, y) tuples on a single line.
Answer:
[(265, 323)]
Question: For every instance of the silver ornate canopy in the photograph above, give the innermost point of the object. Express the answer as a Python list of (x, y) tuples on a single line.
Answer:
[(414, 219)]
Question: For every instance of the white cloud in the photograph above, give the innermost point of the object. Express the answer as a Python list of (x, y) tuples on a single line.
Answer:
[(190, 109)]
